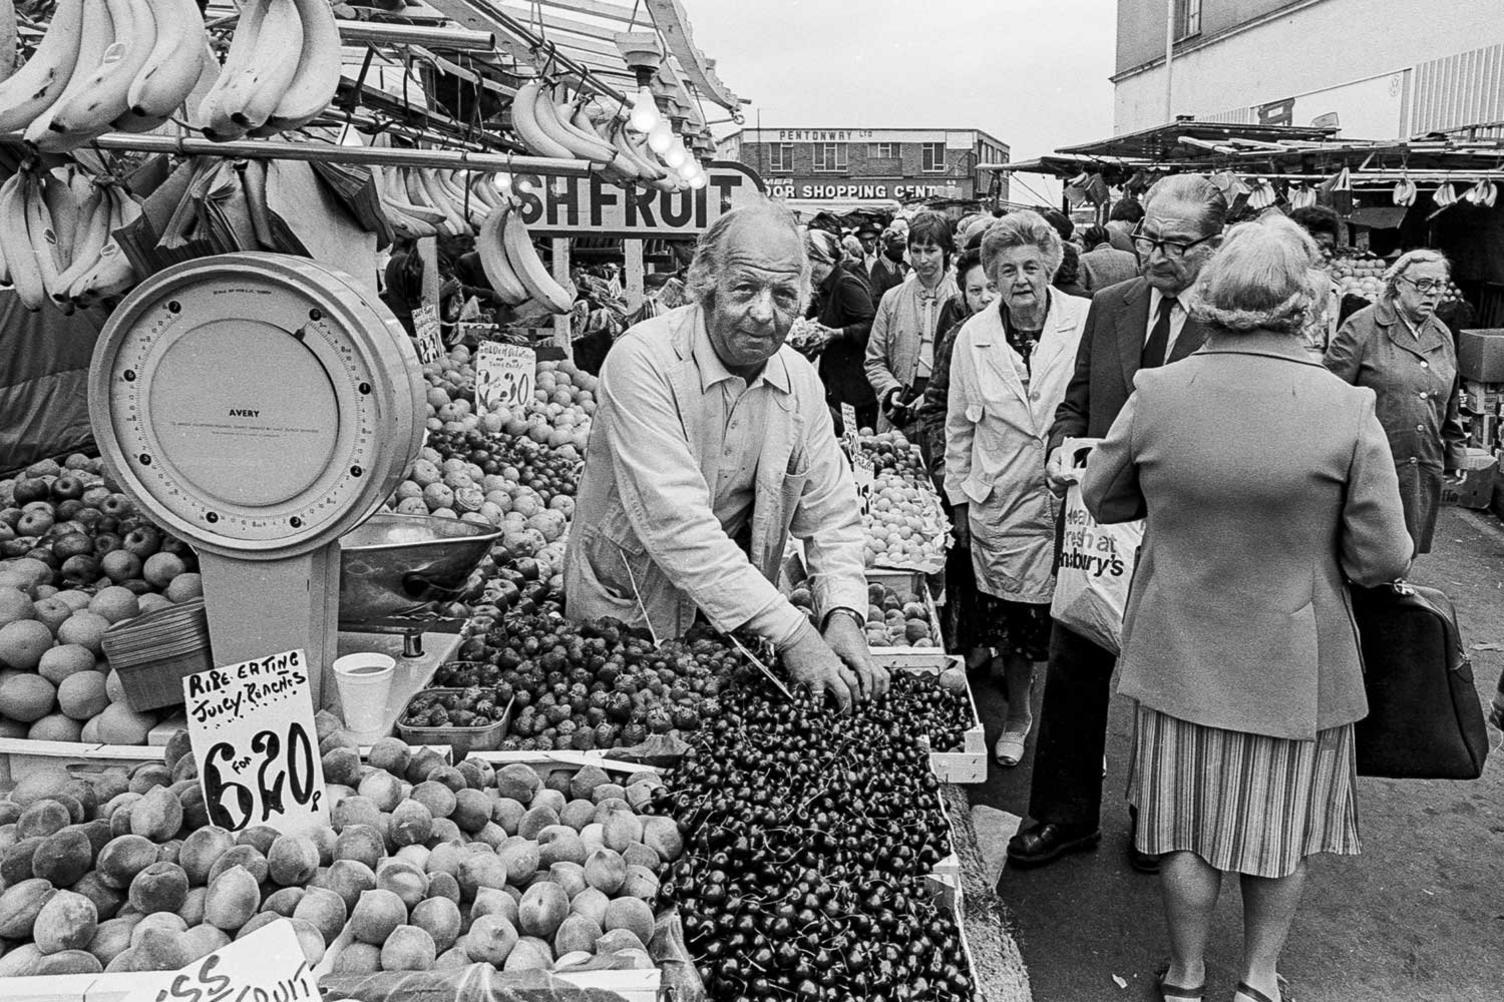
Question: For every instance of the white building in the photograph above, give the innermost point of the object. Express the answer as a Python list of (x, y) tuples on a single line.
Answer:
[(1385, 69)]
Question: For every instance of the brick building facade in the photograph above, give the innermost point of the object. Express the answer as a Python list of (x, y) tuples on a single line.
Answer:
[(876, 165)]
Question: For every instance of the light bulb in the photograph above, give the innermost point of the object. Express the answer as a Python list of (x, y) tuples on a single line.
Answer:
[(502, 181), (677, 156), (524, 188), (661, 137), (699, 181), (644, 111), (689, 168)]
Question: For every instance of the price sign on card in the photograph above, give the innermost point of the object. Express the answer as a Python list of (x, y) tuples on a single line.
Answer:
[(266, 966), (253, 737), (866, 476), (426, 330), (848, 428), (504, 375)]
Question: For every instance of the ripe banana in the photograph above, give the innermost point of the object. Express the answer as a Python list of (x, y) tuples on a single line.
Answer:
[(7, 38), (36, 86), (427, 181), (524, 260), (85, 113), (25, 272), (493, 259), (96, 34), (646, 168), (212, 109), (279, 45), (556, 125), (62, 209), (527, 126), (317, 77), (618, 163), (93, 231), (174, 63), (44, 238)]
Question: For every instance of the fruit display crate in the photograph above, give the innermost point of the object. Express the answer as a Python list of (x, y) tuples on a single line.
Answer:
[(910, 586), (969, 765), (463, 740)]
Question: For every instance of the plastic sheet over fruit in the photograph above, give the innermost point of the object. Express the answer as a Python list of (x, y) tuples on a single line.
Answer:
[(476, 983), (672, 957)]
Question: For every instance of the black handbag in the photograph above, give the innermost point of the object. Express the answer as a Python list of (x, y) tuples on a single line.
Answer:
[(1425, 720)]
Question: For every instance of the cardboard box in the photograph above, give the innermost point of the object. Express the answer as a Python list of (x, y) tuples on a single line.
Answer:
[(1477, 490), (1481, 398), (1480, 355), (1482, 431)]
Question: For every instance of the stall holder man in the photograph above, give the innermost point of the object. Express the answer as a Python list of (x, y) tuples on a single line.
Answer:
[(711, 445)]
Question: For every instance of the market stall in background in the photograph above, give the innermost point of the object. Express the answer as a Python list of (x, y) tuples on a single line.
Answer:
[(301, 299), (1438, 191)]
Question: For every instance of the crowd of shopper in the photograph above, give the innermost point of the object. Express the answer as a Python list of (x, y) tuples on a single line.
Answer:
[(1211, 363)]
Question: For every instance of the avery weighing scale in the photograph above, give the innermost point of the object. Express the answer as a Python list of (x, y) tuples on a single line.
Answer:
[(259, 407)]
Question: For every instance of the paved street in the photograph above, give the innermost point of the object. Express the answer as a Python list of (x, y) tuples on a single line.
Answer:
[(1418, 917)]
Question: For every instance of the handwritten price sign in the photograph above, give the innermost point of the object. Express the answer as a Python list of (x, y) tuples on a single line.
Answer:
[(426, 330), (848, 428), (504, 375), (253, 736), (267, 964), (866, 476)]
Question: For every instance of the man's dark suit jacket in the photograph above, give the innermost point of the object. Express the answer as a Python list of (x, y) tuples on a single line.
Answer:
[(1117, 325)]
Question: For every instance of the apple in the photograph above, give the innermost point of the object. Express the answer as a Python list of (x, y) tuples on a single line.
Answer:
[(116, 504), (35, 523), (78, 461), (162, 567), (67, 487), (80, 569), (70, 508), (71, 545), (17, 546), (6, 532), (120, 565), (143, 541), (11, 516), (88, 517), (107, 523), (42, 553), (31, 489), (104, 542), (95, 496)]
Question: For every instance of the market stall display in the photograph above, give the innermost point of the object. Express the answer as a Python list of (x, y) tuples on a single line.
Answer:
[(906, 526)]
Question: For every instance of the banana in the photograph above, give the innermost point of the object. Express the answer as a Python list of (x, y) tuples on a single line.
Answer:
[(318, 73), (36, 86), (546, 114), (43, 235), (132, 122), (212, 110), (645, 169), (493, 259), (93, 231), (618, 163), (111, 275), (523, 258), (85, 112), (7, 38), (96, 35), (279, 44), (525, 123), (62, 209), (25, 272), (174, 63), (428, 179), (407, 219)]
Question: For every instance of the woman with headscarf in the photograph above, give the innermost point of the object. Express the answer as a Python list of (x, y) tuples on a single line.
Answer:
[(842, 306), (1398, 348)]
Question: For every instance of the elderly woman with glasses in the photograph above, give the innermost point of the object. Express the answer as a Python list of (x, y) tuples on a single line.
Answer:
[(1399, 349), (1009, 369)]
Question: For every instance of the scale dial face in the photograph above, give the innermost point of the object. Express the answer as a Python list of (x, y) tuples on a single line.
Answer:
[(255, 403)]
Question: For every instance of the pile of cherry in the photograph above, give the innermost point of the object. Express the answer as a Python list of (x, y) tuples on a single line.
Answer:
[(808, 839)]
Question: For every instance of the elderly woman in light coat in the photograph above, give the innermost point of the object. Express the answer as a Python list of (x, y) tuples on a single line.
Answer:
[(1398, 349), (1009, 370)]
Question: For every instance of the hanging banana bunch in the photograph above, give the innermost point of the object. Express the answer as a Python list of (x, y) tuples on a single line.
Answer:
[(104, 65), (1404, 192), (57, 238), (281, 71)]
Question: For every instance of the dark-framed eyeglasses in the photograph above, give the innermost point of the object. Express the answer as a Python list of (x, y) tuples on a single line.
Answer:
[(1425, 284), (1147, 245)]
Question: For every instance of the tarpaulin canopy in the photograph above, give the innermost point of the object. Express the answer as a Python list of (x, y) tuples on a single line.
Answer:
[(44, 369)]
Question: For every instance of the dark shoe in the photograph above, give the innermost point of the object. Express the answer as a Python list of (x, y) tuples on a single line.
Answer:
[(1177, 993), (1143, 862), (1043, 843)]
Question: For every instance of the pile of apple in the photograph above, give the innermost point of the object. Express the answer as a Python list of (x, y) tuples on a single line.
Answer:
[(906, 526), (423, 865), (558, 415), (1360, 274), (891, 621)]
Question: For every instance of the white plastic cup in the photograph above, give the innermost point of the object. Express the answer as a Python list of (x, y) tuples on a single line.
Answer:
[(365, 683)]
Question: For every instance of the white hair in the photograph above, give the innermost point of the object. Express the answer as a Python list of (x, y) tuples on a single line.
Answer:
[(1022, 229), (1408, 260), (1259, 279), (710, 253)]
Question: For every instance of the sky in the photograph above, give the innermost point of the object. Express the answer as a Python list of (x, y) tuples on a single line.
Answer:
[(1033, 73)]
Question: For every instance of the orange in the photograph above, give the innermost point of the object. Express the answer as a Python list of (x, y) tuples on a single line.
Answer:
[(115, 603), (185, 587), (86, 628), (15, 605), (23, 643)]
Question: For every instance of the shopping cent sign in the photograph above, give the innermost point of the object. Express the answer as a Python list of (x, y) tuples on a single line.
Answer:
[(562, 206)]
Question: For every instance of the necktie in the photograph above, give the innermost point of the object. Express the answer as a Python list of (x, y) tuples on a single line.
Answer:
[(1159, 338)]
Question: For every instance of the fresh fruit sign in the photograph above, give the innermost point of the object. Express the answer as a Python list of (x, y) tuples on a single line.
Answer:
[(569, 205), (253, 736), (267, 964), (504, 376)]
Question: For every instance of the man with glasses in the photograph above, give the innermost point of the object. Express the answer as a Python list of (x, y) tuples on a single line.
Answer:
[(1134, 325)]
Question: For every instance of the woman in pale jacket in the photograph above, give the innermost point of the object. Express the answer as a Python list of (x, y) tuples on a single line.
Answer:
[(1266, 484), (1009, 370)]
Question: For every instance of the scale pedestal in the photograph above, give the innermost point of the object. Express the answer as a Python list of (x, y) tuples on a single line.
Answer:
[(256, 607)]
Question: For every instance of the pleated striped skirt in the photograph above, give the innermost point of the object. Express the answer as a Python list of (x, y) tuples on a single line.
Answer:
[(1245, 803)]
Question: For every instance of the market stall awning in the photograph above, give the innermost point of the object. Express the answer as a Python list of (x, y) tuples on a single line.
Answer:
[(1164, 141)]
